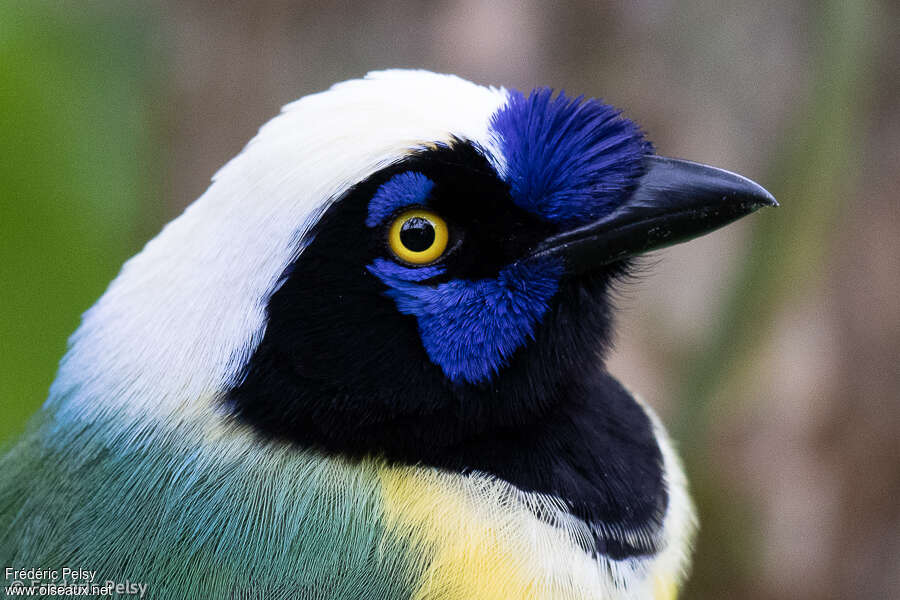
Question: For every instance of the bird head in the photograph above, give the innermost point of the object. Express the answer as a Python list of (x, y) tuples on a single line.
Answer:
[(395, 265)]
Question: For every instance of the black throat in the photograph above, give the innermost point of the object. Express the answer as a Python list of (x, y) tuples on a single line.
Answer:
[(341, 370)]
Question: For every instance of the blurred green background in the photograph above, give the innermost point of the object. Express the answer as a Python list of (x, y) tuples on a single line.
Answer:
[(770, 347)]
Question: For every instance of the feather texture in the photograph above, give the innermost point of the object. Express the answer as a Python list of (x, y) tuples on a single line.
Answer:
[(236, 517), (137, 467)]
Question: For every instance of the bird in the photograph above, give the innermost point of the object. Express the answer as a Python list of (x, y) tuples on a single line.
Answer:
[(369, 362)]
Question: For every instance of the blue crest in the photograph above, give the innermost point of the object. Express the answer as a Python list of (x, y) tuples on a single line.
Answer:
[(570, 161), (401, 190)]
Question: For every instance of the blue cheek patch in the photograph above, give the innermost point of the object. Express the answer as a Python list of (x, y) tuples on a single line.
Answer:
[(471, 328), (569, 161), (401, 190), (387, 270)]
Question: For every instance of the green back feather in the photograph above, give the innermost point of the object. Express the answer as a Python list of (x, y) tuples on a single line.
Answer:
[(199, 513)]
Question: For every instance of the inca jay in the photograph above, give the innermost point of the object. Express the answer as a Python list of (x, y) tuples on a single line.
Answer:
[(368, 363)]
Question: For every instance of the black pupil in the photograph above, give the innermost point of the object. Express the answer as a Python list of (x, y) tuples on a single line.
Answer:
[(417, 234)]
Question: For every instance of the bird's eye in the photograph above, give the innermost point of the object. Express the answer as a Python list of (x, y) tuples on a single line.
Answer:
[(418, 237)]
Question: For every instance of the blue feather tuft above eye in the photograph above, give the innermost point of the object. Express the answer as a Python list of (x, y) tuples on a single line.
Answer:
[(406, 189), (470, 329), (569, 161)]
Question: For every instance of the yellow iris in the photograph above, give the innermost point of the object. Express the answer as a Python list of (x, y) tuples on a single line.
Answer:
[(418, 236)]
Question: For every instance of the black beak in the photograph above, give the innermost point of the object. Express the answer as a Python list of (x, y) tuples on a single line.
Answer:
[(674, 201)]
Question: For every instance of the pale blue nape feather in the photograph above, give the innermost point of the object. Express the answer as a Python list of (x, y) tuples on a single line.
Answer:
[(198, 514)]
